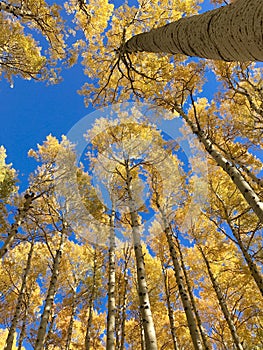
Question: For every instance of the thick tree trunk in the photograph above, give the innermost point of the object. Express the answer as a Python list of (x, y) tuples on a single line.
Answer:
[(91, 301), (50, 295), (110, 343), (198, 319), (12, 330), (169, 308), (230, 33), (22, 212), (222, 303), (246, 190), (188, 308), (145, 307)]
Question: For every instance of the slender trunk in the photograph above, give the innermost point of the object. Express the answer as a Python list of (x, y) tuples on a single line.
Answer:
[(188, 308), (248, 193), (230, 33), (12, 330), (71, 322), (50, 295), (197, 316), (124, 300), (110, 344), (222, 303), (91, 301), (145, 307), (22, 212), (169, 307)]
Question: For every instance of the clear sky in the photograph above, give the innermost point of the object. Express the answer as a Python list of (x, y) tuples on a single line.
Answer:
[(32, 110)]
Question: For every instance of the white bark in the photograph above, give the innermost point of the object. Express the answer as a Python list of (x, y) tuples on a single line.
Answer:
[(110, 343), (91, 301), (222, 304), (145, 307), (50, 295), (246, 190), (188, 309), (12, 330), (230, 33)]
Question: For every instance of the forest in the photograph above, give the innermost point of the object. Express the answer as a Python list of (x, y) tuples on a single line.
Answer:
[(134, 235)]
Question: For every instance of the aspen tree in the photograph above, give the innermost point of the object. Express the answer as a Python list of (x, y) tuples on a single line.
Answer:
[(91, 299), (169, 306), (222, 303), (231, 33), (146, 314), (190, 292), (186, 302), (51, 292), (72, 315), (110, 344)]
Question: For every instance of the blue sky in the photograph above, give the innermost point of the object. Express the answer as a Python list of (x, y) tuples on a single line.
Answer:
[(32, 110)]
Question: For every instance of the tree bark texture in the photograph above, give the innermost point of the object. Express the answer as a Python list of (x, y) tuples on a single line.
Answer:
[(145, 307), (231, 33), (110, 343)]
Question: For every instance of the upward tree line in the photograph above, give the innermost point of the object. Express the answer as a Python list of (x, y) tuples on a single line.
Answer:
[(169, 288), (194, 288)]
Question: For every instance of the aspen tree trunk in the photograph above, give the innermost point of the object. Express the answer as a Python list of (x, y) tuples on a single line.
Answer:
[(91, 300), (248, 193), (230, 33), (169, 307), (222, 303), (73, 314), (12, 330), (124, 300), (145, 307), (188, 308), (22, 212), (110, 343), (50, 294), (198, 319)]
